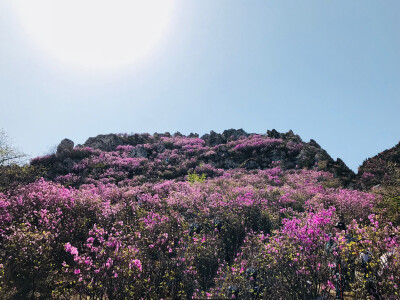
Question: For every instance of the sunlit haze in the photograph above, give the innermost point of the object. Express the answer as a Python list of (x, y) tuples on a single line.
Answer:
[(328, 70), (95, 33)]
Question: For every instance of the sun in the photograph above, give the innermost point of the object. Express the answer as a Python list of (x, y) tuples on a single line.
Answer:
[(95, 34)]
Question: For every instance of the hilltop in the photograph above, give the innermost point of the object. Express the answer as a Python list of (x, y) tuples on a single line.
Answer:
[(143, 157)]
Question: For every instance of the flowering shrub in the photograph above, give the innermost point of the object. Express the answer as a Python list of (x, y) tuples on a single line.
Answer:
[(107, 264), (143, 158), (380, 275), (12, 176), (129, 224), (290, 263)]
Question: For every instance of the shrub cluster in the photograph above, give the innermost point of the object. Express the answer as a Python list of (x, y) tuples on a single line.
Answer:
[(261, 234), (171, 157)]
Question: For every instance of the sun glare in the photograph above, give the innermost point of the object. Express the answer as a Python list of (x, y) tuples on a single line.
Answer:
[(95, 34)]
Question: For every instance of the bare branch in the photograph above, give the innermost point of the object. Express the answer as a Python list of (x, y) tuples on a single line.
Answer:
[(8, 154)]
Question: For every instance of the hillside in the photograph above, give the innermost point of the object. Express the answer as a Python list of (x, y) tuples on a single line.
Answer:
[(382, 169), (222, 216), (381, 174), (143, 158)]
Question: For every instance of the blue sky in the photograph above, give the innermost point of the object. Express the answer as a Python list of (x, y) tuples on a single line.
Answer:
[(328, 70)]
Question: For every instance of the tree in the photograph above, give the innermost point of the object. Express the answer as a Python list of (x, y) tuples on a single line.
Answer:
[(12, 172), (8, 154)]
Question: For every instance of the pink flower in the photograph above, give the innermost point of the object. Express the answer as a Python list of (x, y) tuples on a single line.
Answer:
[(71, 249), (137, 263)]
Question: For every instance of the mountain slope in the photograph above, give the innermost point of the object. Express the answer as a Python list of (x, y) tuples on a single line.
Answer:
[(382, 169), (142, 157), (231, 215)]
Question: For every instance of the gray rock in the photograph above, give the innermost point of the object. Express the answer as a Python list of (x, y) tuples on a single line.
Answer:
[(193, 135), (275, 155), (177, 134), (139, 152), (291, 136), (160, 148), (233, 134), (305, 158), (273, 134), (106, 142), (314, 144), (65, 147), (213, 139), (322, 155)]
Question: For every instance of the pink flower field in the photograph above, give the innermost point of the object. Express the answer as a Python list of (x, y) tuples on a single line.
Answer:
[(173, 224)]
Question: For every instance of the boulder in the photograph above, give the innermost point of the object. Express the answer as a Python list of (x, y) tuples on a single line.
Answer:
[(234, 134), (108, 142), (139, 152), (213, 139), (65, 147), (273, 134), (193, 135), (177, 134), (314, 144)]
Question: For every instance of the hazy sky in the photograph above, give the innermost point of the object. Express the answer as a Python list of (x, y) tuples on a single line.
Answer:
[(328, 70)]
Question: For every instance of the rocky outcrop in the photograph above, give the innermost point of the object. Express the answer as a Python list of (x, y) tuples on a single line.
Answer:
[(139, 151), (382, 169), (294, 153), (108, 142), (214, 139), (64, 147), (231, 149), (285, 136), (233, 134)]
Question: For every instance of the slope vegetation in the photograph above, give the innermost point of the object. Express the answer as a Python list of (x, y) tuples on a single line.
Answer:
[(223, 216)]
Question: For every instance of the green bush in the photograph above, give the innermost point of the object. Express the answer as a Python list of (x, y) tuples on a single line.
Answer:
[(12, 176), (194, 177)]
